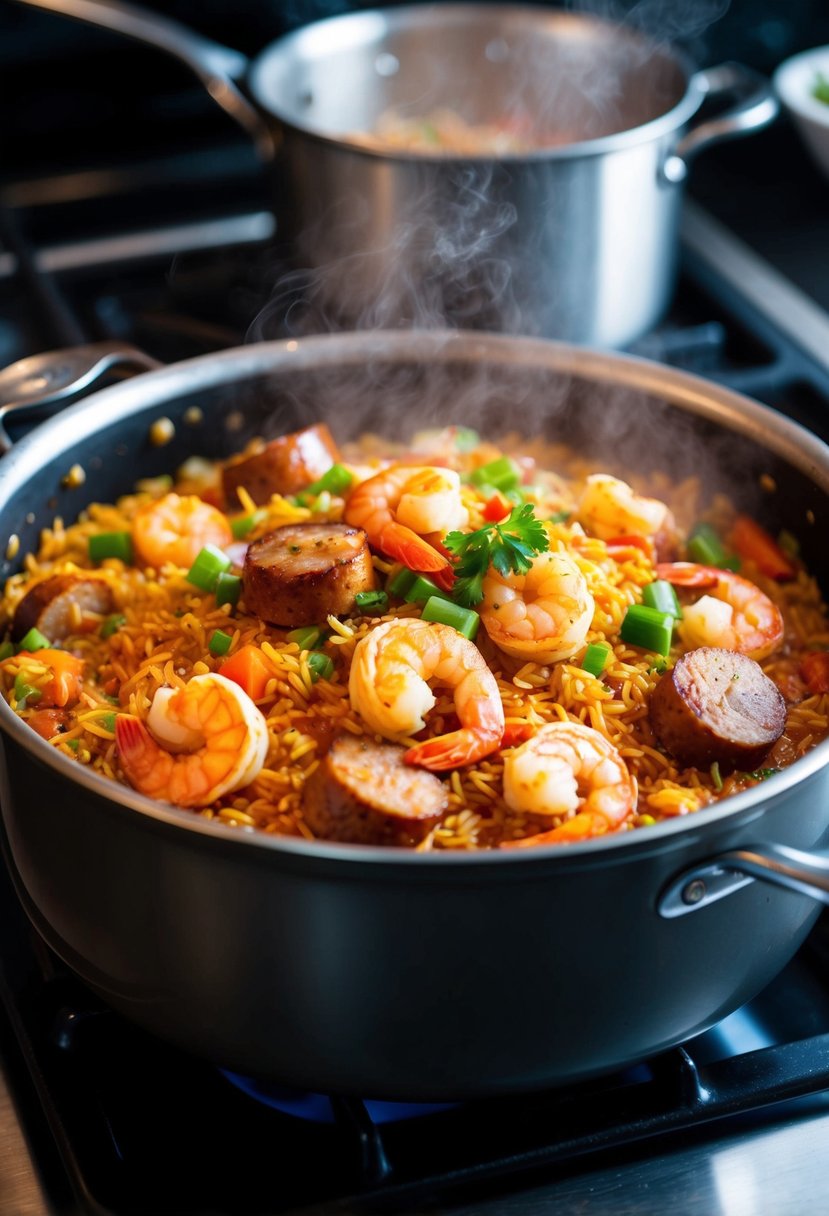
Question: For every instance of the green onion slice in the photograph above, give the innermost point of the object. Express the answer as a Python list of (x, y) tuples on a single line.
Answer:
[(661, 596), (24, 691), (648, 628), (320, 665), (422, 589), (245, 523), (228, 589), (706, 547), (220, 642), (307, 637), (371, 601), (337, 480), (400, 583), (446, 613), (502, 473), (33, 640), (6, 651), (595, 658), (110, 544), (209, 564)]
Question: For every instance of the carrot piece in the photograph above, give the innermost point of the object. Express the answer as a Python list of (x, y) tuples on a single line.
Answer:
[(65, 686), (814, 668), (754, 543), (48, 722), (250, 669)]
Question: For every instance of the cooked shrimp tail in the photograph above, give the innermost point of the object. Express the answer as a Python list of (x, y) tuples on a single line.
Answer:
[(481, 735), (413, 551), (404, 505), (202, 741), (571, 771), (736, 615), (389, 687)]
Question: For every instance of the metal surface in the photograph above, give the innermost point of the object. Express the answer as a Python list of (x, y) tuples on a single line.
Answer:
[(720, 876), (791, 310), (21, 1193), (576, 241), (287, 942)]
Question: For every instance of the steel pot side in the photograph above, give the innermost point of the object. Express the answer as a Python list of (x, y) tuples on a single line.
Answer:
[(381, 972), (577, 241)]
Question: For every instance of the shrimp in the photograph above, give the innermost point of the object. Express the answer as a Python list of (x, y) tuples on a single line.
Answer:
[(609, 508), (389, 688), (402, 505), (200, 741), (543, 615), (176, 529), (736, 615), (569, 769)]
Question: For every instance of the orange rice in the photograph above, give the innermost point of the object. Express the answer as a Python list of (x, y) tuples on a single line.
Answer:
[(168, 624)]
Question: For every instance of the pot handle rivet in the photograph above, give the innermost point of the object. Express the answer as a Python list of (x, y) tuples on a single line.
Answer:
[(694, 891), (714, 879)]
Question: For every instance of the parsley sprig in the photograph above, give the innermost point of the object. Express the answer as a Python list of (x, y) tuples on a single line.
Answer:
[(508, 546)]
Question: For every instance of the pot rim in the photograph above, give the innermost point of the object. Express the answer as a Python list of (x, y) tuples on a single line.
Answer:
[(348, 27), (225, 368)]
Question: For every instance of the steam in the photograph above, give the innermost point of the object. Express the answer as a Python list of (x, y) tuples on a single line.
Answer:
[(498, 244)]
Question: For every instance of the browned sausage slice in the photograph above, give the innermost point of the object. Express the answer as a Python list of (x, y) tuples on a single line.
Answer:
[(62, 605), (717, 705), (283, 466), (298, 574), (365, 793)]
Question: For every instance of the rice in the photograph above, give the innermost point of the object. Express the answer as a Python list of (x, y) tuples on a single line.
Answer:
[(164, 640)]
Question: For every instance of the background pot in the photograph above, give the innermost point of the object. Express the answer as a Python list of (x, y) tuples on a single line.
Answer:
[(381, 972), (577, 241)]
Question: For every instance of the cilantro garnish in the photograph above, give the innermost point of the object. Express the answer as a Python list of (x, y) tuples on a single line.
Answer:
[(508, 546)]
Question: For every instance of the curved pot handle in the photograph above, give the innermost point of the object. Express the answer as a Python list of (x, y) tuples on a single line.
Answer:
[(756, 108), (41, 384), (217, 67), (703, 884)]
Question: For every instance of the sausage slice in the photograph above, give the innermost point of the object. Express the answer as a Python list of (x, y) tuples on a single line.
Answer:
[(298, 574), (717, 705), (62, 605), (283, 466), (364, 792)]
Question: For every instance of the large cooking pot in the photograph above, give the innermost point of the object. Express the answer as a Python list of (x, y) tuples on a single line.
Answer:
[(384, 972), (576, 241)]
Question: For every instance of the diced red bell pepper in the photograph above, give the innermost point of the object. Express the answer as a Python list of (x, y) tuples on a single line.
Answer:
[(517, 732), (496, 509), (814, 668), (754, 543)]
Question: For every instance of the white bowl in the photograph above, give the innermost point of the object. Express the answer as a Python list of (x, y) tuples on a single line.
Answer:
[(794, 81)]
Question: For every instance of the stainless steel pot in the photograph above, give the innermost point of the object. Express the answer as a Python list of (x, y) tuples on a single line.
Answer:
[(577, 241), (378, 971)]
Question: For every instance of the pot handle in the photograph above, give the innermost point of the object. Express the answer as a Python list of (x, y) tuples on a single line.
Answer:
[(217, 67), (42, 383), (705, 883), (756, 108)]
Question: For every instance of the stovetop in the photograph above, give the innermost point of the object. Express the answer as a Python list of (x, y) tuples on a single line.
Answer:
[(175, 251)]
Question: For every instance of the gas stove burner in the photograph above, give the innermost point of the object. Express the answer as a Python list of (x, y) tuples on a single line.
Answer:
[(321, 1108)]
